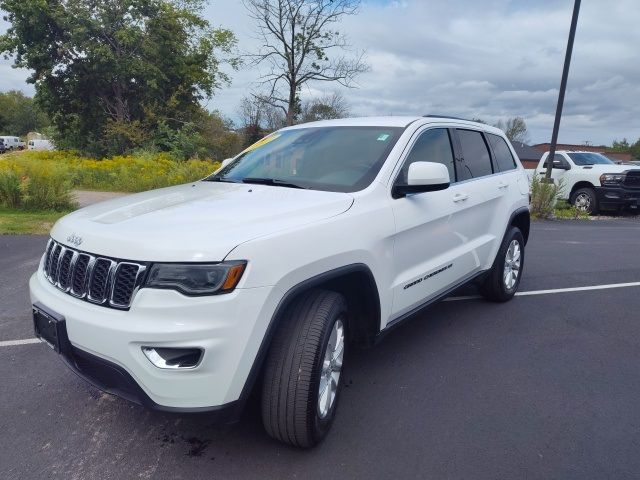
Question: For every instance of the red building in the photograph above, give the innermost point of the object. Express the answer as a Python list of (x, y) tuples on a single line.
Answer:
[(615, 156)]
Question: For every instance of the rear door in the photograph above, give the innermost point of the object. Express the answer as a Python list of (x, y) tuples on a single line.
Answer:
[(434, 243), (486, 195), (510, 186)]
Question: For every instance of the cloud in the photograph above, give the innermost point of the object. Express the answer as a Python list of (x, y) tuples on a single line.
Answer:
[(491, 59)]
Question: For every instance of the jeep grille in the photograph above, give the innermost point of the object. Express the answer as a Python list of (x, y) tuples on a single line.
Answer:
[(100, 280)]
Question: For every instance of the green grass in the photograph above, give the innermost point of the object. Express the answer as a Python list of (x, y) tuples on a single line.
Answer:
[(565, 211), (20, 222)]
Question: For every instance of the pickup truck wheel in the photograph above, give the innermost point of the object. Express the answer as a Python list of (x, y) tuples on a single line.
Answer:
[(585, 200), (504, 277), (302, 376)]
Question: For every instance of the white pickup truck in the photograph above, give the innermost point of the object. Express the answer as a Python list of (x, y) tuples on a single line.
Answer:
[(592, 182)]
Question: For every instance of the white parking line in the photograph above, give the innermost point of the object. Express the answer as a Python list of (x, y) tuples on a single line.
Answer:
[(28, 341), (555, 290), (25, 341)]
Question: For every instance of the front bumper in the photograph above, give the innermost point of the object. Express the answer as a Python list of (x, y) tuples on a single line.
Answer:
[(105, 345), (618, 197)]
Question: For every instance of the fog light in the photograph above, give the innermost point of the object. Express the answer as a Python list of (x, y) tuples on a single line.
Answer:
[(173, 358)]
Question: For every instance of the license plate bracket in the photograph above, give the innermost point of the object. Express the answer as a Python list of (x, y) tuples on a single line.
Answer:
[(50, 327)]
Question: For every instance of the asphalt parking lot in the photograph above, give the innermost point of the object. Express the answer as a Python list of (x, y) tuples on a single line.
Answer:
[(545, 386)]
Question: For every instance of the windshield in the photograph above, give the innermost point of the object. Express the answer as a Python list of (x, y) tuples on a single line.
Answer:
[(582, 159), (337, 159)]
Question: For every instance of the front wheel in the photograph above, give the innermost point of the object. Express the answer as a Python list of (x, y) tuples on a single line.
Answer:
[(504, 277), (585, 200), (302, 375)]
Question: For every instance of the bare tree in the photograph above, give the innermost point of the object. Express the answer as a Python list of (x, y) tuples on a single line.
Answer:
[(274, 118), (515, 129), (298, 42), (250, 111), (326, 107)]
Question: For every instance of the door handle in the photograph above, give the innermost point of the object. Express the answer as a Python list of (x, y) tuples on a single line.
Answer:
[(503, 185), (460, 197)]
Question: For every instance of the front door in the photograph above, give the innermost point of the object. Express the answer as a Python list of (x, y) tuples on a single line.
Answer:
[(435, 231)]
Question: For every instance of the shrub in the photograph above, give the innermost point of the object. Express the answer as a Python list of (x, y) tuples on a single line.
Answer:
[(46, 188), (44, 180), (35, 187), (9, 188), (543, 198)]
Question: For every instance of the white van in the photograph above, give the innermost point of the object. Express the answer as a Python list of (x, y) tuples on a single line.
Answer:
[(12, 143), (41, 145)]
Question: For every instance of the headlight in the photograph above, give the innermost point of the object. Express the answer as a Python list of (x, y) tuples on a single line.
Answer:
[(612, 178), (196, 278)]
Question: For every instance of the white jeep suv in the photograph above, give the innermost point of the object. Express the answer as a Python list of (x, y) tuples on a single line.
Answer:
[(592, 182), (317, 237)]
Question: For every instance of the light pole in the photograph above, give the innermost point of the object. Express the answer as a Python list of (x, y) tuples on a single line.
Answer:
[(563, 88)]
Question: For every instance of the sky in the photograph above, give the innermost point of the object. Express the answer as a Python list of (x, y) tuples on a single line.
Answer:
[(488, 59)]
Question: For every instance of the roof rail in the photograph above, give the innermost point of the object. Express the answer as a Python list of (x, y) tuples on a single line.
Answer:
[(447, 116)]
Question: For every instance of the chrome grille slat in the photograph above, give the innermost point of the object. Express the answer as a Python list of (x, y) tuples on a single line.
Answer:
[(79, 279), (53, 263), (64, 269), (47, 256), (99, 280), (126, 281)]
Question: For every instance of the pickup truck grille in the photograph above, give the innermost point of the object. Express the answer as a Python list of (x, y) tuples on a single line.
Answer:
[(632, 179), (100, 280)]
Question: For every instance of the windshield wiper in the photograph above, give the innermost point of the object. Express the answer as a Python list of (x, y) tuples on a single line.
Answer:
[(220, 179), (270, 181)]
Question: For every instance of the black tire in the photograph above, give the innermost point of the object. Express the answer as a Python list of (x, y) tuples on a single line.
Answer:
[(494, 286), (588, 194), (294, 369)]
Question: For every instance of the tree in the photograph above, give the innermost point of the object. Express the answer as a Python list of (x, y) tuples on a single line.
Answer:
[(635, 150), (515, 129), (20, 115), (114, 74), (298, 43), (250, 112), (325, 108), (621, 146)]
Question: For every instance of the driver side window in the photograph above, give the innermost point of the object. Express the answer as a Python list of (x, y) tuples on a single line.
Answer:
[(433, 145)]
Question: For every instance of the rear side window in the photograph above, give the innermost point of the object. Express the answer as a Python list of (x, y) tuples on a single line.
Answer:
[(432, 146), (504, 160), (477, 161)]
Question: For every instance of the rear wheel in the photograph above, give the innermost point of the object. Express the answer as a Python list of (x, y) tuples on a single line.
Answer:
[(504, 277), (585, 200), (302, 376)]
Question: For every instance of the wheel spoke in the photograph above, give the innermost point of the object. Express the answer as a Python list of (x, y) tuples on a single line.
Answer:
[(331, 369), (330, 395), (324, 395)]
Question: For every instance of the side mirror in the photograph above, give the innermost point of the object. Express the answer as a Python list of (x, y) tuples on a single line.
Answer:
[(225, 162), (423, 177), (561, 165)]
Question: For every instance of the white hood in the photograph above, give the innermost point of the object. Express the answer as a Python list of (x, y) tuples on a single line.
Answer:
[(196, 222), (608, 168)]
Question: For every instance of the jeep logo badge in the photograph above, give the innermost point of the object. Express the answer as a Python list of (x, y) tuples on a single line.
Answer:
[(74, 239)]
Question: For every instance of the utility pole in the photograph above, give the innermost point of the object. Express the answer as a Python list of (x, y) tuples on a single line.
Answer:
[(563, 88)]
